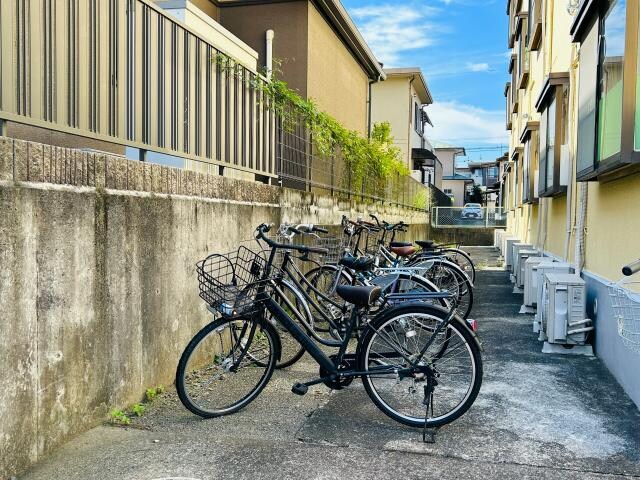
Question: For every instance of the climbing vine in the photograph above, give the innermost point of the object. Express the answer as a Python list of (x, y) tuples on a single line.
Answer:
[(370, 162)]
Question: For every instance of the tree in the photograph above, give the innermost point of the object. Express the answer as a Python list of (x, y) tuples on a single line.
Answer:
[(476, 195)]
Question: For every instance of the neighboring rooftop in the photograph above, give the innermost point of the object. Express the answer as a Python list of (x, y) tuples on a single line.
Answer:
[(421, 86), (457, 176), (337, 16)]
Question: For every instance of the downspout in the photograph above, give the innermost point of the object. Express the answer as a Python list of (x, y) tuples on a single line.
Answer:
[(572, 152), (369, 102), (413, 77), (269, 53)]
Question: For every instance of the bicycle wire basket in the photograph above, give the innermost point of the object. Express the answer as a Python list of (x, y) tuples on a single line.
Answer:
[(230, 283), (371, 240), (626, 311), (335, 245)]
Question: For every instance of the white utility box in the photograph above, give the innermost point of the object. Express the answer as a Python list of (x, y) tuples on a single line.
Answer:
[(530, 267), (523, 256), (540, 270), (565, 309)]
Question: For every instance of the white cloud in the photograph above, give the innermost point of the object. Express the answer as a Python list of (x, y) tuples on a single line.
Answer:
[(465, 125), (478, 67), (391, 30)]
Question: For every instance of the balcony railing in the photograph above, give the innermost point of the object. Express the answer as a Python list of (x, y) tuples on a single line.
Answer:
[(128, 73)]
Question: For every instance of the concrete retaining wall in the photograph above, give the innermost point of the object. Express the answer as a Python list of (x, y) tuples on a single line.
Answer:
[(97, 287)]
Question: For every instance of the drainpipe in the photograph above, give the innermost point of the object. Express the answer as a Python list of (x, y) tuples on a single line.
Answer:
[(570, 186), (413, 77), (369, 101), (269, 53)]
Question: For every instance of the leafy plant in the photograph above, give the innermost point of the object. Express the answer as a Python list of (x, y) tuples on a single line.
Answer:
[(118, 416), (138, 409), (376, 159), (152, 393)]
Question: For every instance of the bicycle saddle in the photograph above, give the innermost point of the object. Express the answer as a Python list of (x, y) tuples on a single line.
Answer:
[(403, 251), (400, 244), (426, 244), (360, 296), (359, 264)]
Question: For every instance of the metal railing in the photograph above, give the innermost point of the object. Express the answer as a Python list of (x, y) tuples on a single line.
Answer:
[(300, 165), (461, 217), (126, 72)]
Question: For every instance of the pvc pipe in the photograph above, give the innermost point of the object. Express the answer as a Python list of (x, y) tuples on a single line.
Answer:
[(269, 53)]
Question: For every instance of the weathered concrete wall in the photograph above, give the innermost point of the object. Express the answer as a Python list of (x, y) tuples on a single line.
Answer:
[(97, 285), (481, 237)]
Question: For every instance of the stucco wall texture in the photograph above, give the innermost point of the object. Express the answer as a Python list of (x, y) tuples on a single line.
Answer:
[(98, 292)]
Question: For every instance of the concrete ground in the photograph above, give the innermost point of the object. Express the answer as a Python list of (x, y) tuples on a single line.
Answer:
[(537, 416)]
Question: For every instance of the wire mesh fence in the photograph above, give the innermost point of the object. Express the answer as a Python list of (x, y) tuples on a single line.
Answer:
[(469, 216)]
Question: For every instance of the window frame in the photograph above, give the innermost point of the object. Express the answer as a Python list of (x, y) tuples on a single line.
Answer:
[(523, 60), (535, 24), (530, 153), (508, 106), (590, 15), (552, 90)]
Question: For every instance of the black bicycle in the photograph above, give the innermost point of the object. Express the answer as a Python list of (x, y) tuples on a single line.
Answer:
[(420, 364)]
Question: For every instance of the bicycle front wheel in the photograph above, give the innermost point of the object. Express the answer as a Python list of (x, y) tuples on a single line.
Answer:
[(452, 362), (226, 365)]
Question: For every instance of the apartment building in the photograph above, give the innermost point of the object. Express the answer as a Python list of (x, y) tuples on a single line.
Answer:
[(571, 181), (401, 100)]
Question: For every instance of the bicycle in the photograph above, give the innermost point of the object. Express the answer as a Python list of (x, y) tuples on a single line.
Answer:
[(399, 358)]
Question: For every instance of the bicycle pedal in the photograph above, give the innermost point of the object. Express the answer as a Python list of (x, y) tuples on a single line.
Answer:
[(300, 389)]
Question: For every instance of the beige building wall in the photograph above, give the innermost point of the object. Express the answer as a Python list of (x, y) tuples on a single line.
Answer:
[(457, 190), (335, 79), (387, 106)]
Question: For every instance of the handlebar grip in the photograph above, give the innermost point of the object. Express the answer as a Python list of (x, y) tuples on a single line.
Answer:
[(320, 229), (293, 229), (318, 250), (633, 267), (265, 227)]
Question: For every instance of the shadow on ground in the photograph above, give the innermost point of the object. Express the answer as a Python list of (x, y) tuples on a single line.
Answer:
[(537, 416)]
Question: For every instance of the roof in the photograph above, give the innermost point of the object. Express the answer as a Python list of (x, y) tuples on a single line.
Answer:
[(445, 146), (421, 85), (457, 176), (486, 163), (339, 19)]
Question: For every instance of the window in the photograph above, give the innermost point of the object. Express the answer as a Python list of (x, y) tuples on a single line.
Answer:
[(523, 53), (535, 24), (608, 117), (553, 105), (417, 119), (530, 162), (611, 64), (448, 191)]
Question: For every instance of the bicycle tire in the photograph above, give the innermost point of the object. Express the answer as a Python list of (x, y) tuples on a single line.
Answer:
[(460, 331), (218, 326)]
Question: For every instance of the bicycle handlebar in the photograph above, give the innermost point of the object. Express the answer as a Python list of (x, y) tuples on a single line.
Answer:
[(264, 228), (633, 267)]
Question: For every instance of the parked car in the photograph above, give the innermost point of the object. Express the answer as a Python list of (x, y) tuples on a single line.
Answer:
[(472, 210)]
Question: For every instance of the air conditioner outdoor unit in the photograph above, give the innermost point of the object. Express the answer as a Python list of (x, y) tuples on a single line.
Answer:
[(498, 234), (550, 266), (523, 256), (507, 251), (516, 247), (530, 267), (565, 311)]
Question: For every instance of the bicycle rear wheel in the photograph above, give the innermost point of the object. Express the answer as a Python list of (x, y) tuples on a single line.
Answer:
[(456, 369), (226, 365)]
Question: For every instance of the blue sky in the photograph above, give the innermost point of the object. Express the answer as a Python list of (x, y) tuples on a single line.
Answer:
[(461, 47)]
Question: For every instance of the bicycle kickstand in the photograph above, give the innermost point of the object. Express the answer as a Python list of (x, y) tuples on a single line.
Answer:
[(428, 434)]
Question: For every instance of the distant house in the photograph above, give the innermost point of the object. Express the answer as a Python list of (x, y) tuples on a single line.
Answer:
[(456, 185), (323, 55), (486, 176), (401, 100)]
